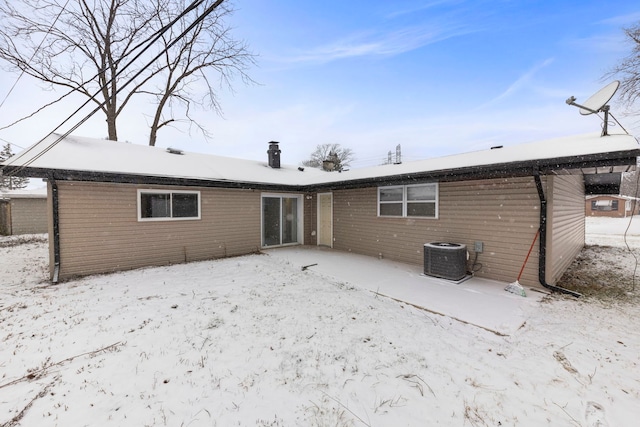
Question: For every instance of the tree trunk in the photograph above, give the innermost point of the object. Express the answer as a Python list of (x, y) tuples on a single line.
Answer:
[(111, 127), (153, 135)]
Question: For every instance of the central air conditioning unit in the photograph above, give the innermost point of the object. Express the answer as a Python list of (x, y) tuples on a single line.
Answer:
[(445, 260)]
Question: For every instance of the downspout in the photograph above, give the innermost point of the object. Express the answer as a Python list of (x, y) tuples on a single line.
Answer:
[(542, 257), (56, 228)]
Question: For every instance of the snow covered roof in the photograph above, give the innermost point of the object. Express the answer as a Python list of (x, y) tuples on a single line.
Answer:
[(34, 193), (95, 159), (611, 196)]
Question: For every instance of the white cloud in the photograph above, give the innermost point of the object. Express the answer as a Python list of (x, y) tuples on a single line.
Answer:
[(421, 7), (392, 37), (379, 44), (520, 83), (607, 43), (622, 20)]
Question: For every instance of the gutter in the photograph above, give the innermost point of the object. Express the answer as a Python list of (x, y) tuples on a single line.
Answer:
[(524, 168), (542, 262), (56, 228)]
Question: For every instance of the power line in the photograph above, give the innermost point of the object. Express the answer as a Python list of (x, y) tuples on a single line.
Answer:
[(34, 52), (149, 41), (199, 19), (157, 35)]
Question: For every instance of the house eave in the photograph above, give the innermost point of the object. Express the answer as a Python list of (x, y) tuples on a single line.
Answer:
[(584, 164), (120, 178), (594, 164)]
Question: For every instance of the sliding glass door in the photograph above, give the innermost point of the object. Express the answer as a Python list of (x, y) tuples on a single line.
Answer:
[(281, 220)]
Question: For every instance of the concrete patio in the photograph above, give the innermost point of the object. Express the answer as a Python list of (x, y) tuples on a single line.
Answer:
[(480, 302)]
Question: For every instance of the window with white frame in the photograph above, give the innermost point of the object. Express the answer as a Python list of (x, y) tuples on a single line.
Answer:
[(168, 205), (604, 205), (419, 200)]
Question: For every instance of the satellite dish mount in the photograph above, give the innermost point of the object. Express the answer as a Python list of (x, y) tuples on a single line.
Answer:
[(598, 103)]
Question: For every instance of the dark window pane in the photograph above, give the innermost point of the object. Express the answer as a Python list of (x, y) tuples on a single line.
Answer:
[(390, 209), (391, 194), (271, 221), (421, 209), (155, 205), (185, 205)]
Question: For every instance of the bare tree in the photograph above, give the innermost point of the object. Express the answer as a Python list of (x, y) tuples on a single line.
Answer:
[(206, 55), (344, 156), (93, 47), (628, 69), (629, 182)]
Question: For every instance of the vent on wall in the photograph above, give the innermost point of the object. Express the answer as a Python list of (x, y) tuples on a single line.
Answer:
[(446, 260)]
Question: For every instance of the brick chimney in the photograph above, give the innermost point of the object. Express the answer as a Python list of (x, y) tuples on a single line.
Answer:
[(274, 155)]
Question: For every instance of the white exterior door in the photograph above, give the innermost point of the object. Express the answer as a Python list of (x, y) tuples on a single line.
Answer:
[(325, 219)]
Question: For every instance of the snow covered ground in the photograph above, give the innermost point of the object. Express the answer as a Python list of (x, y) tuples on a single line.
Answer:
[(257, 341), (613, 231)]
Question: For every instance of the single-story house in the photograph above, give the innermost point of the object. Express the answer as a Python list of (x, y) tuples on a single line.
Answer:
[(610, 205), (116, 206), (23, 211)]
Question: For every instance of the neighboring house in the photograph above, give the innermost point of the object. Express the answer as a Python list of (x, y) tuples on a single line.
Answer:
[(23, 211), (117, 206), (612, 206)]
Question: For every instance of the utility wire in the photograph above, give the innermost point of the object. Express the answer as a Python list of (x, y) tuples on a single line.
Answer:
[(150, 41), (158, 33), (34, 52), (205, 13)]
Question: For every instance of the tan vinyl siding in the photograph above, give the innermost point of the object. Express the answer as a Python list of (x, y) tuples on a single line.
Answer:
[(28, 215), (502, 213), (565, 229), (23, 215), (100, 231)]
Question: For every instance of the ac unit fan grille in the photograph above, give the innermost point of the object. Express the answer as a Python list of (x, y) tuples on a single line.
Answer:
[(445, 260)]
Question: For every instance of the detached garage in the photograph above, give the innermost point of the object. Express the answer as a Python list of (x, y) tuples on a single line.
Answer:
[(23, 212)]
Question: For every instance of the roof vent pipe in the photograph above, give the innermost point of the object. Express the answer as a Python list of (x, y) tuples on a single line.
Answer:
[(274, 155)]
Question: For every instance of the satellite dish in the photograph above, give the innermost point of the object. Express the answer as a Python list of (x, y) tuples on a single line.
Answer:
[(598, 103), (599, 99)]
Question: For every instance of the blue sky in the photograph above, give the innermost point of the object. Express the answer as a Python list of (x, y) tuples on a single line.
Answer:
[(438, 77)]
